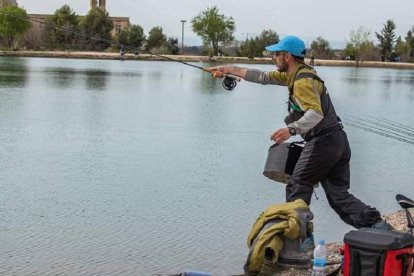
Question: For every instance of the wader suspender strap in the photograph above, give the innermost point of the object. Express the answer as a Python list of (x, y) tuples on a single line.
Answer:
[(291, 103), (308, 75)]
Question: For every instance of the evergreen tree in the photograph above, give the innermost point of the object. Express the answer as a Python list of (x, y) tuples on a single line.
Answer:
[(172, 45), (66, 18), (96, 24), (256, 47), (387, 39), (266, 38), (156, 39), (401, 47), (248, 48), (409, 40), (133, 36)]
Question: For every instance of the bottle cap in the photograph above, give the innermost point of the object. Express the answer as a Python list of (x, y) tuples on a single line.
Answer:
[(321, 242)]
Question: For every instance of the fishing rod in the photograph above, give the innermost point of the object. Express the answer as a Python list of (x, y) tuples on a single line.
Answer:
[(229, 82)]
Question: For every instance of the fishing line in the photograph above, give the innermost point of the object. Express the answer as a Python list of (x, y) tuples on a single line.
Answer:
[(229, 82), (386, 131), (394, 123), (387, 126), (380, 133)]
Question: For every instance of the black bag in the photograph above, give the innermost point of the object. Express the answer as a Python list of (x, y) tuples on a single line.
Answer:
[(281, 161), (375, 252)]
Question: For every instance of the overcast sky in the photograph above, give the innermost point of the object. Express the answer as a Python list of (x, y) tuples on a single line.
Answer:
[(331, 19)]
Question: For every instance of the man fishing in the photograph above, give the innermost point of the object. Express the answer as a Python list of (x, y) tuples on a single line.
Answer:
[(326, 155)]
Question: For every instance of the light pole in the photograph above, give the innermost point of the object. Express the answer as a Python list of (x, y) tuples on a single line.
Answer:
[(182, 36)]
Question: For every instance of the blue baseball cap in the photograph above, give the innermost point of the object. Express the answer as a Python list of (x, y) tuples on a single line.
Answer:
[(291, 44)]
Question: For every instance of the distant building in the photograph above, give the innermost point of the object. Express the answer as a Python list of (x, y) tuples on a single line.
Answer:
[(98, 3), (33, 36), (120, 23), (7, 2)]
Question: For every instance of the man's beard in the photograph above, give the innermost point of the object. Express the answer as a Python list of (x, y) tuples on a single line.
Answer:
[(282, 66)]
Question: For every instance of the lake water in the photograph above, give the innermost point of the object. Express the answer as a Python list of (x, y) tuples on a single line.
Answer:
[(145, 168)]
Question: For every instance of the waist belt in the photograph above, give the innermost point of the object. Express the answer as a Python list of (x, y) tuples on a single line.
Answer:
[(336, 127)]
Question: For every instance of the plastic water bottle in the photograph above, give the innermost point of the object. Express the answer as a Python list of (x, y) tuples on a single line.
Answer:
[(320, 255)]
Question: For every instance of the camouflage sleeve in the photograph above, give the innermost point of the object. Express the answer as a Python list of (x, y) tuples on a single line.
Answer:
[(307, 93), (266, 77), (307, 96), (308, 121)]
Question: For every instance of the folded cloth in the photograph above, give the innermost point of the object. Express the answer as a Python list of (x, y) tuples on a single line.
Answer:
[(271, 227)]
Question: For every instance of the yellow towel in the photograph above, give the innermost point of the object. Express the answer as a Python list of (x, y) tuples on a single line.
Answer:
[(272, 237)]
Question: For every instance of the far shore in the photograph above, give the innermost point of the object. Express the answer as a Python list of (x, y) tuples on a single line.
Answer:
[(188, 58)]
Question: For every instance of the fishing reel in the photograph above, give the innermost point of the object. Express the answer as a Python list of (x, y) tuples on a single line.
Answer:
[(229, 83)]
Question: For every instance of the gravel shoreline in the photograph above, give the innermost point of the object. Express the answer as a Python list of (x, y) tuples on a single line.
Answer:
[(397, 220)]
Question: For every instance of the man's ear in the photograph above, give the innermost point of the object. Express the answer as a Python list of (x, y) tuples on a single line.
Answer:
[(288, 57)]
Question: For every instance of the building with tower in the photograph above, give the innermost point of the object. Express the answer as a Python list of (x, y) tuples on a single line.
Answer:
[(35, 33), (7, 2), (98, 3), (120, 23)]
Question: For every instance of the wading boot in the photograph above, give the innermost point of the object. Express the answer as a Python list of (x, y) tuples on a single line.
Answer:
[(293, 256)]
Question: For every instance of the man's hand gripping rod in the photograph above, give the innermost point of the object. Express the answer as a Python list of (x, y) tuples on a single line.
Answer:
[(229, 81)]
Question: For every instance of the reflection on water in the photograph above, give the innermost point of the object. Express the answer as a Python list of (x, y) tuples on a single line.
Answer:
[(354, 76), (209, 85), (61, 78), (387, 82), (143, 168), (65, 77), (96, 80), (407, 78), (13, 72), (386, 76), (12, 80)]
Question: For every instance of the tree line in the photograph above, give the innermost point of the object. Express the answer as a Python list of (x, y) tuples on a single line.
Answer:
[(216, 31)]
